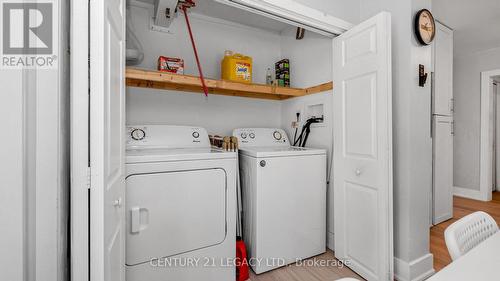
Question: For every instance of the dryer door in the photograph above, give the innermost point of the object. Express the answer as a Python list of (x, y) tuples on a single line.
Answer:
[(173, 213)]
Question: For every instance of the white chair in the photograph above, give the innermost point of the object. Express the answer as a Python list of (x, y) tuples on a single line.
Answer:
[(468, 232)]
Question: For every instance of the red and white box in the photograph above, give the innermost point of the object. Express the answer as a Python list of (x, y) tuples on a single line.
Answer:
[(173, 65)]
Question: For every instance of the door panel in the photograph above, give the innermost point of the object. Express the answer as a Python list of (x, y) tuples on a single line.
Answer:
[(184, 211), (442, 169), (107, 142), (443, 71), (363, 148), (360, 136)]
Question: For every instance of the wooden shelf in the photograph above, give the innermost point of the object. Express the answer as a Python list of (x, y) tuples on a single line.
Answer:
[(169, 81)]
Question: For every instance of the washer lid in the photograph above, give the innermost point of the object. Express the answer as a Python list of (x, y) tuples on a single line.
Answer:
[(146, 155), (274, 151)]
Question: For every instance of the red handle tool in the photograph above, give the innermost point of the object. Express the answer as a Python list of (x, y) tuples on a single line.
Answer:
[(184, 6)]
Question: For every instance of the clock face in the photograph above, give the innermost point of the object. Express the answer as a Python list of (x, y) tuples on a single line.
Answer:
[(425, 27)]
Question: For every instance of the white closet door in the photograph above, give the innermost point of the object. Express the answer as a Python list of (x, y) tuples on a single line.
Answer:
[(443, 71), (363, 148), (443, 169), (107, 140)]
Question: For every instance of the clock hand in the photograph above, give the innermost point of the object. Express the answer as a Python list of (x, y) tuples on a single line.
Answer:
[(425, 27)]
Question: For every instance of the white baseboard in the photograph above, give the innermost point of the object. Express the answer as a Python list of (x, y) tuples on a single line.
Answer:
[(416, 270), (330, 241), (467, 193)]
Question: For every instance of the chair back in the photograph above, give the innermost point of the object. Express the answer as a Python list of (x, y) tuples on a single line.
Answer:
[(468, 232)]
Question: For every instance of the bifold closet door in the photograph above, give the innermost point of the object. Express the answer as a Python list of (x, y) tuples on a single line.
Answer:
[(107, 140), (363, 148)]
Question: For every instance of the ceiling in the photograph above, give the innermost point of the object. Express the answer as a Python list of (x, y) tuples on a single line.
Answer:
[(476, 23), (214, 9)]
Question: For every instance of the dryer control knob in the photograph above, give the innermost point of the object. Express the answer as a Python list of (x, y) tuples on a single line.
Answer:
[(243, 135), (196, 135), (138, 134), (277, 135)]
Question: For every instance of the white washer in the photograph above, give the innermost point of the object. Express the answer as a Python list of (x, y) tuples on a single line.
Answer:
[(181, 206), (284, 198)]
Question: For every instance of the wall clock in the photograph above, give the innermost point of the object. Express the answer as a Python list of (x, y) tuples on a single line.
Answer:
[(425, 27)]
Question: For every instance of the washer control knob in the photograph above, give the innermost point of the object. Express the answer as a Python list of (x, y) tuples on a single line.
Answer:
[(277, 135), (262, 163), (252, 135), (196, 135), (138, 134), (243, 135)]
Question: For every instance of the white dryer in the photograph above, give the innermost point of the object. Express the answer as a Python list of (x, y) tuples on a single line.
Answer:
[(284, 198), (181, 206)]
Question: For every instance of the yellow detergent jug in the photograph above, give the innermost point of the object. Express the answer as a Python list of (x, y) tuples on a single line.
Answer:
[(236, 67)]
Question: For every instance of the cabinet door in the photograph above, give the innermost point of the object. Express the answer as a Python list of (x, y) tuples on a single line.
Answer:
[(443, 71), (442, 169)]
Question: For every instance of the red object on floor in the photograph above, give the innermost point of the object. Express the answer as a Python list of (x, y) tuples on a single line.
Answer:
[(242, 273)]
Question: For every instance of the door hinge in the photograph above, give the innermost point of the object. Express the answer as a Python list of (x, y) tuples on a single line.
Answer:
[(89, 177), (452, 128)]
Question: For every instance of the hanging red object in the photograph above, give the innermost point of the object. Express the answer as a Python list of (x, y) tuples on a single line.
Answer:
[(184, 5)]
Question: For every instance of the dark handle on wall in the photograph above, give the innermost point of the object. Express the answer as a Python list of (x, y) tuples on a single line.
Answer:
[(422, 76)]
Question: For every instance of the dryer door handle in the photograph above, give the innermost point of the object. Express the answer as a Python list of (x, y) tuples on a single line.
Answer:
[(139, 219)]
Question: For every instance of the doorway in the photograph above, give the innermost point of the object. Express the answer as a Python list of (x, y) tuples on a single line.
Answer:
[(488, 154)]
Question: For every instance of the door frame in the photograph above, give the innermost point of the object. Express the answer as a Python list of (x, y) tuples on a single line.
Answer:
[(495, 88), (79, 141), (487, 138)]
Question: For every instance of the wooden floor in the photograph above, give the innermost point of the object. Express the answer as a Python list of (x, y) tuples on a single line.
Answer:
[(308, 272), (461, 208)]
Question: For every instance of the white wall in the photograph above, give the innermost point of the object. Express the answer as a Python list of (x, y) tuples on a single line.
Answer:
[(411, 139), (13, 178), (311, 64), (35, 169), (219, 114), (467, 95)]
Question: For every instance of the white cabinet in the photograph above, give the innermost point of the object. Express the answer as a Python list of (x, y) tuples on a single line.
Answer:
[(442, 110), (442, 101), (443, 169)]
